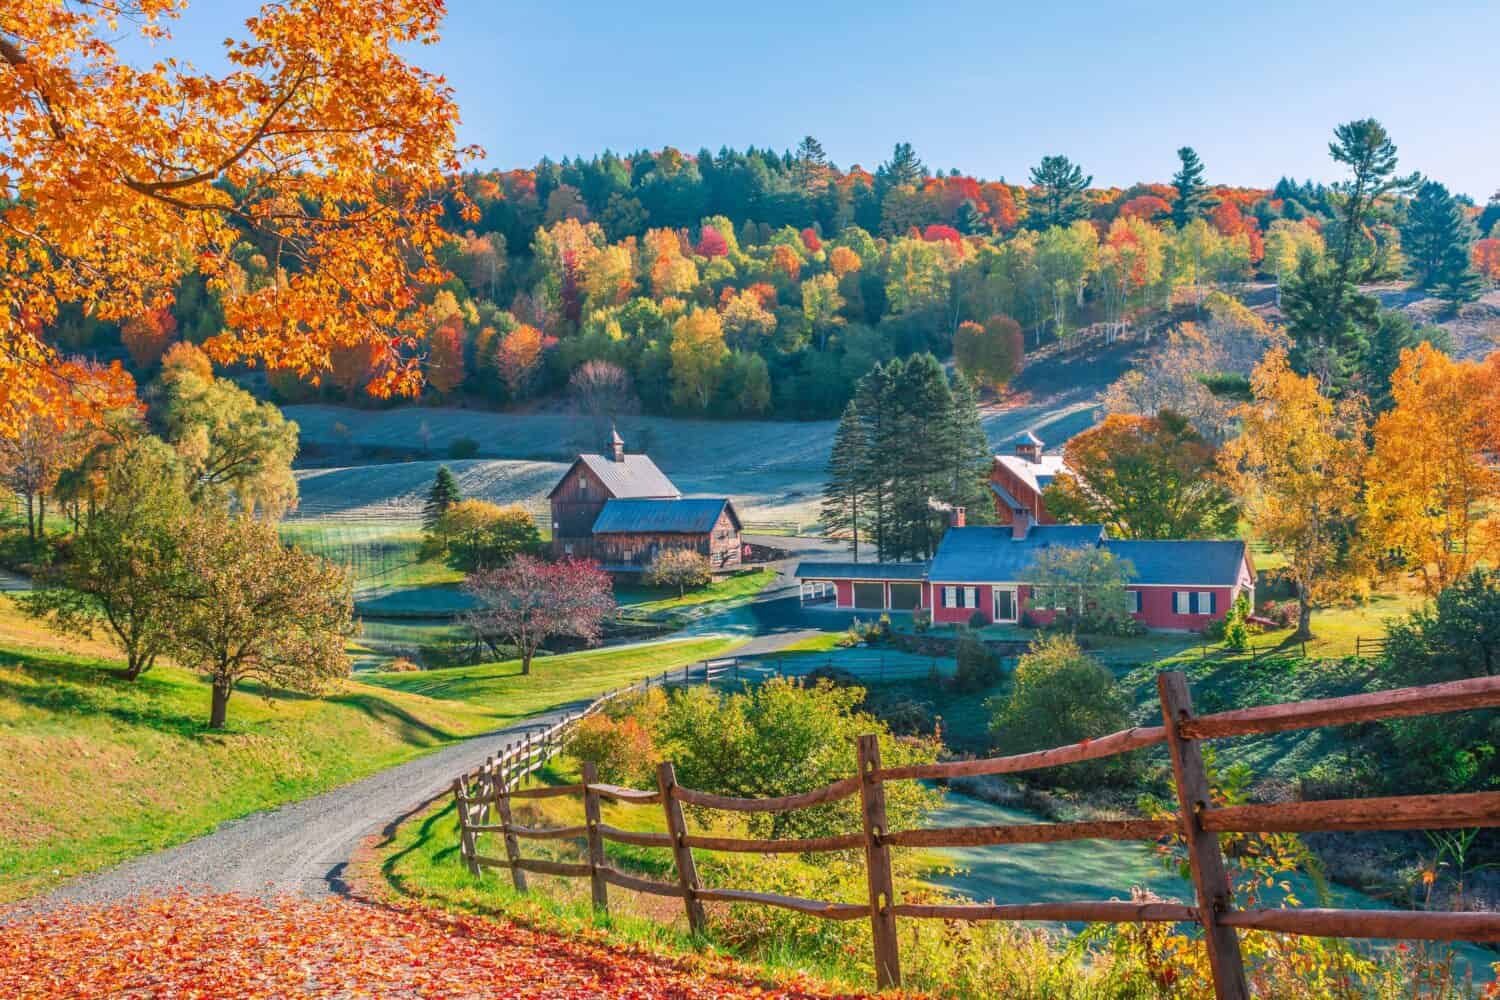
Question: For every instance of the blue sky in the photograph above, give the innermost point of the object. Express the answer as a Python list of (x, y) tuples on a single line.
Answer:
[(989, 88)]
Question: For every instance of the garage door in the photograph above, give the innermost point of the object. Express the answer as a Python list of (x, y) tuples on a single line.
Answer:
[(869, 596), (905, 596)]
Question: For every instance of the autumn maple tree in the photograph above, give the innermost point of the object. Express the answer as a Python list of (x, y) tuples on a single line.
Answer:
[(321, 146), (1144, 477), (1432, 485), (1296, 468)]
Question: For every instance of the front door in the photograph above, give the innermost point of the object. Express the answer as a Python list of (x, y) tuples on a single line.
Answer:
[(1005, 604)]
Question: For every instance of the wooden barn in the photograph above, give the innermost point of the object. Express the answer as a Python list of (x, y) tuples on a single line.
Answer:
[(621, 510)]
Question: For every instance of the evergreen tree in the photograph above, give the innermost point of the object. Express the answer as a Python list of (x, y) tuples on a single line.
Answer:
[(1330, 321), (443, 494), (902, 168), (1191, 191), (810, 167), (1061, 199), (875, 399), (1436, 240), (966, 453), (843, 510), (1394, 332)]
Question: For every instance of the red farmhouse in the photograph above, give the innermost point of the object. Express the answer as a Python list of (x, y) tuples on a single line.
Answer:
[(1177, 585)]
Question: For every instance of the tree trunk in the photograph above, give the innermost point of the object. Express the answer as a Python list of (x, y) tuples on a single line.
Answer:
[(525, 662), (219, 711), (1304, 616)]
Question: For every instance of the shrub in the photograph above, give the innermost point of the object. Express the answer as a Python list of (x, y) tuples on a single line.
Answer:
[(463, 447), (1062, 695), (978, 620), (978, 666), (921, 620), (680, 570), (1283, 613), (623, 749), (1236, 631), (401, 665)]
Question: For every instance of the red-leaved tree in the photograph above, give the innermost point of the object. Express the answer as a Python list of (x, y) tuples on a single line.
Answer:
[(528, 601), (711, 243)]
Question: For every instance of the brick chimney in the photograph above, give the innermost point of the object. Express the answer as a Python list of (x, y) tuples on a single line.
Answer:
[(1020, 523), (957, 517), (616, 444)]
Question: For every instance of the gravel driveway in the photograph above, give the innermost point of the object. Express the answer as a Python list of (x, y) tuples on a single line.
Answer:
[(303, 846)]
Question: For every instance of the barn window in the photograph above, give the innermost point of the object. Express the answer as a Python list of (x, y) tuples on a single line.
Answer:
[(583, 485), (1134, 597)]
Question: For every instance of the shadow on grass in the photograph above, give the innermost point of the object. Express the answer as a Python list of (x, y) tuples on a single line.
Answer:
[(69, 685), (410, 728)]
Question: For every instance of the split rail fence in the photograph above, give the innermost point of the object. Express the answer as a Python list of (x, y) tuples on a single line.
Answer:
[(484, 799)]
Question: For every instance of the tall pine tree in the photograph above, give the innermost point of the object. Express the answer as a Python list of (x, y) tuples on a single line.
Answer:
[(843, 493), (1061, 199), (1191, 191), (1436, 240)]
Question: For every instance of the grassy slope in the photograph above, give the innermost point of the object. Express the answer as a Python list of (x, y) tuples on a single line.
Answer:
[(140, 772), (735, 589), (505, 695)]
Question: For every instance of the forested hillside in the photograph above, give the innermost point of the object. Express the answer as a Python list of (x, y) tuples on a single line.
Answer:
[(754, 283)]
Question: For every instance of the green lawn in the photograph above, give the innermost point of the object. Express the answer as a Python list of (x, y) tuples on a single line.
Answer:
[(727, 590), (504, 694), (101, 770)]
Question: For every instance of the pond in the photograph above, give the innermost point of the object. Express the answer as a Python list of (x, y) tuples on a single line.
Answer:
[(1097, 870)]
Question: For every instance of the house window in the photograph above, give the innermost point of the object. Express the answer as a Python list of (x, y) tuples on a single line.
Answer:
[(567, 548), (1188, 602), (971, 597), (1133, 597), (583, 486)]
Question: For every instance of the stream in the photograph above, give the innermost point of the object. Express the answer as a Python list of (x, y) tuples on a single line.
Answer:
[(1097, 870)]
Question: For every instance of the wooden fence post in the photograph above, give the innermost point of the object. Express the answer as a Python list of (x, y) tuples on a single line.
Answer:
[(1204, 857), (502, 808), (682, 854), (465, 838), (878, 866), (590, 772)]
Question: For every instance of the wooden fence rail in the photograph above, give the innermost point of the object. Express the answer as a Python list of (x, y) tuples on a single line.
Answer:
[(1197, 821)]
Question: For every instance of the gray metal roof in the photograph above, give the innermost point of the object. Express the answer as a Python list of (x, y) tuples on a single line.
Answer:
[(690, 516), (1186, 563), (984, 554), (636, 477), (1005, 497), (861, 571)]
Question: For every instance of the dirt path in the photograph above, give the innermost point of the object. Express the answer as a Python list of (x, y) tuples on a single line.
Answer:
[(302, 847)]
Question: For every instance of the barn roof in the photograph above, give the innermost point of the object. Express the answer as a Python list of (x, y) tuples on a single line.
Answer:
[(861, 571), (1035, 474), (985, 554), (1182, 563), (678, 516), (635, 477)]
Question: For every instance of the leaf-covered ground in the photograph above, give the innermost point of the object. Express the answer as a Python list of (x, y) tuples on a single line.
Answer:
[(185, 946)]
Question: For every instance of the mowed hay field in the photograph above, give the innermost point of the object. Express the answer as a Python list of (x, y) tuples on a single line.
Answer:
[(773, 470)]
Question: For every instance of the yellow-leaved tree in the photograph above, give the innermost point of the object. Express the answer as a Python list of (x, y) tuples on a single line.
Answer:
[(1296, 468), (1432, 484), (320, 150)]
